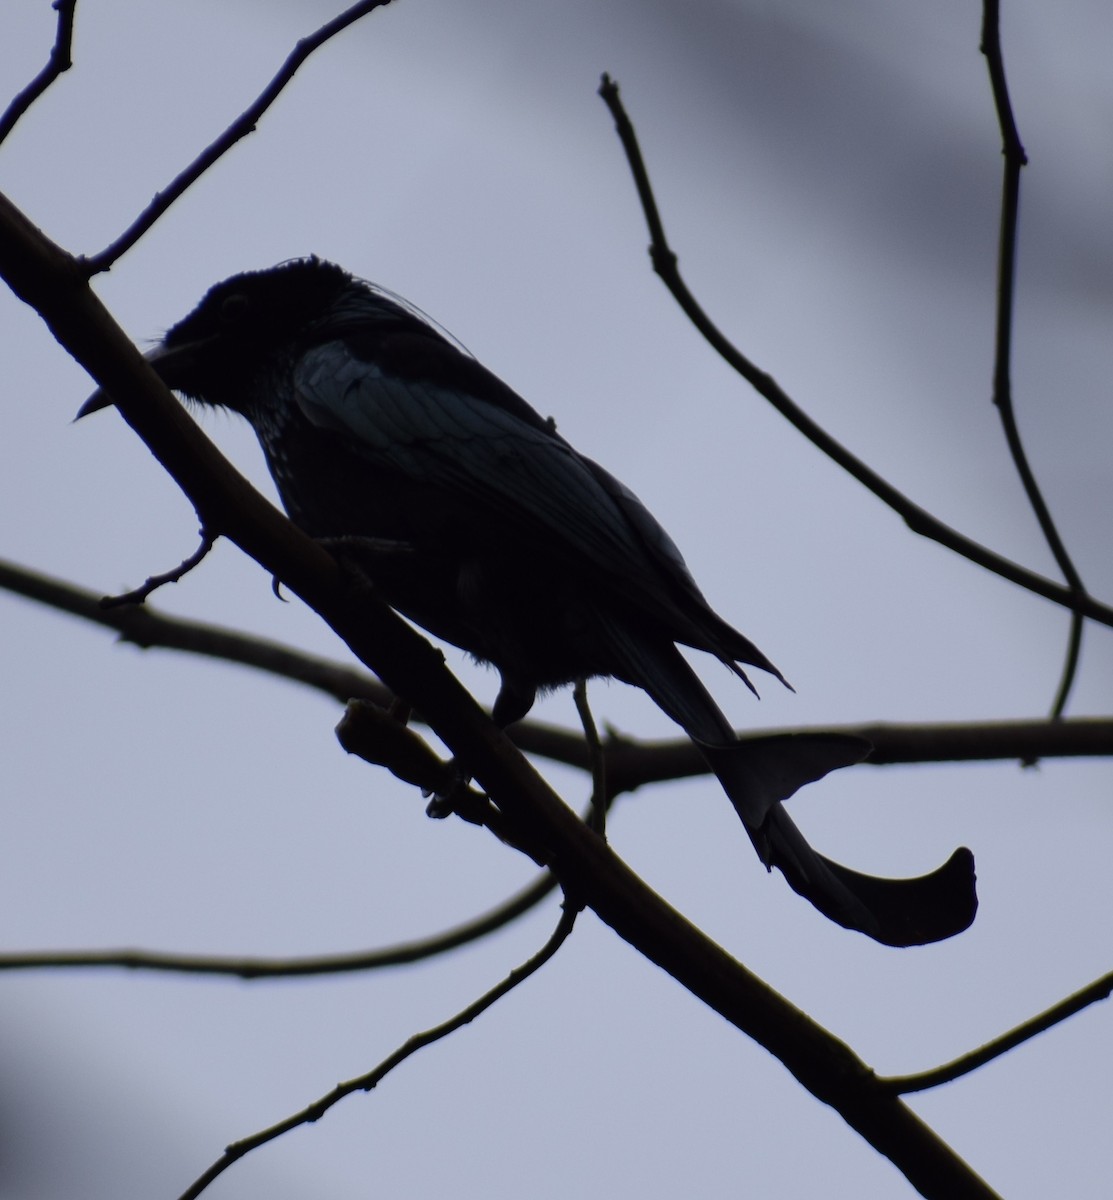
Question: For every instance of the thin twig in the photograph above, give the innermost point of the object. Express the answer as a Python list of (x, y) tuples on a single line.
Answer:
[(1015, 161), (276, 968), (58, 62), (1100, 989), (365, 1083), (144, 626), (917, 519), (240, 128), (174, 575)]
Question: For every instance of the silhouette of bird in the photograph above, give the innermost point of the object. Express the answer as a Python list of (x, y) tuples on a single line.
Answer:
[(473, 517)]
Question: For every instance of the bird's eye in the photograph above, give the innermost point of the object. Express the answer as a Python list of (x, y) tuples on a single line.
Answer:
[(234, 308)]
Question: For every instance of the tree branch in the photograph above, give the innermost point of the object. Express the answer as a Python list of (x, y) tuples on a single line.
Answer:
[(1015, 161), (58, 62), (365, 1083), (1100, 989), (285, 968), (243, 125), (918, 519), (629, 763)]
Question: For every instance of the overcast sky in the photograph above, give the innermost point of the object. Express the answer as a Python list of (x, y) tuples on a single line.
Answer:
[(829, 175)]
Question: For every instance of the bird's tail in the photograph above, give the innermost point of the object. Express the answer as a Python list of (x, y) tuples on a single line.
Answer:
[(897, 912), (758, 774)]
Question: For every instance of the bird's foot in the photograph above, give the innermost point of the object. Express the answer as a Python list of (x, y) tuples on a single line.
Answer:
[(455, 798), (460, 799)]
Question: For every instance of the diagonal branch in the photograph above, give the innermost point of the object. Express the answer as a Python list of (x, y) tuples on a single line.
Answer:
[(58, 62), (918, 519), (243, 125), (1015, 161), (365, 1083), (1100, 989)]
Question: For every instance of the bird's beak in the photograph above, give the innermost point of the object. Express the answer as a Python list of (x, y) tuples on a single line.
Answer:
[(173, 366)]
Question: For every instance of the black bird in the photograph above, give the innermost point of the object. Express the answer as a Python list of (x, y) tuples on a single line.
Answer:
[(473, 517)]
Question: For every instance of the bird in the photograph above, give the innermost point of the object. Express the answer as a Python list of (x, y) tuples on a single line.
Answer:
[(471, 515)]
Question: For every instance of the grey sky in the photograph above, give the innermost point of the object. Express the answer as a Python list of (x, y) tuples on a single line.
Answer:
[(829, 175)]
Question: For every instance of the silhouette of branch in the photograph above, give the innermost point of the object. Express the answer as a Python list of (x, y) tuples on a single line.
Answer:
[(54, 283), (58, 62), (244, 124), (1100, 989), (154, 582), (365, 1083), (277, 968), (629, 763), (919, 520), (1015, 161), (145, 627)]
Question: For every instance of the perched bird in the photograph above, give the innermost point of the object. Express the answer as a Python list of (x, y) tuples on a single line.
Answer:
[(473, 517)]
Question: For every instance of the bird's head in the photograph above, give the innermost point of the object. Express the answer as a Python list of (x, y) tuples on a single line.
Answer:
[(242, 328)]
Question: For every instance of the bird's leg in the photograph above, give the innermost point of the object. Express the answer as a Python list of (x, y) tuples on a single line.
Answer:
[(514, 700), (598, 817)]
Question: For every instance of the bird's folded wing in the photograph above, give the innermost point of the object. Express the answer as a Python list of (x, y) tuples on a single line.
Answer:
[(487, 458)]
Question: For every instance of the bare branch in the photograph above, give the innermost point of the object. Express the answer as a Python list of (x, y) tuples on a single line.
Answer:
[(917, 519), (174, 575), (276, 968), (58, 62), (1100, 989), (145, 627), (1015, 161), (365, 1083), (377, 736), (630, 763), (244, 124)]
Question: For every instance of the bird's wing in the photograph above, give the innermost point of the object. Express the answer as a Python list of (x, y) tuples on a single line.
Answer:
[(486, 454)]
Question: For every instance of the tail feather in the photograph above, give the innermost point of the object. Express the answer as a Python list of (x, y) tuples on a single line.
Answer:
[(758, 774), (897, 912)]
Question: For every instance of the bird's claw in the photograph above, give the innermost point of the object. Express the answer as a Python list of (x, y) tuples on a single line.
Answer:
[(456, 799)]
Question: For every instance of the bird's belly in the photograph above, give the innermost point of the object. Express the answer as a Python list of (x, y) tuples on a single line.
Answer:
[(458, 572), (514, 612)]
